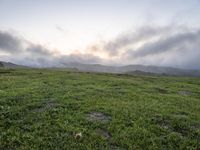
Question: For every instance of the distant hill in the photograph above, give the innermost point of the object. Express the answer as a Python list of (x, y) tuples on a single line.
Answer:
[(138, 72), (10, 65), (130, 69)]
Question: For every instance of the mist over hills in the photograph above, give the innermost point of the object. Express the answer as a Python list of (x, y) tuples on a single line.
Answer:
[(132, 69), (10, 65), (128, 69)]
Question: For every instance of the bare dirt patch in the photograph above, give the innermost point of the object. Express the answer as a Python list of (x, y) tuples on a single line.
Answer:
[(103, 133), (98, 116), (195, 126), (114, 147), (177, 123), (162, 122), (47, 105), (184, 93), (161, 90), (182, 129), (181, 115)]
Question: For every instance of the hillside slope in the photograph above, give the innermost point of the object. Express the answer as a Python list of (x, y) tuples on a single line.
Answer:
[(10, 65), (131, 68)]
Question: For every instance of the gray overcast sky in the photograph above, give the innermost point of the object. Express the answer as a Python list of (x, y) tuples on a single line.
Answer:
[(106, 31)]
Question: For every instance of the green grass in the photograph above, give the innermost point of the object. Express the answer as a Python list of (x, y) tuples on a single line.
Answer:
[(45, 109)]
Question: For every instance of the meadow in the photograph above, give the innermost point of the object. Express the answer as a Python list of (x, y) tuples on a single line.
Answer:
[(66, 109)]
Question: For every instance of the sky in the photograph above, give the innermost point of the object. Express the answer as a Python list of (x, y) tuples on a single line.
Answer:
[(46, 33)]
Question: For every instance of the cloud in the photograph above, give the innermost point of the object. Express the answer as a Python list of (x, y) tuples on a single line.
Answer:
[(59, 28), (177, 49), (172, 45), (130, 38), (37, 49), (175, 46), (80, 58), (179, 42), (37, 55), (13, 44), (10, 43)]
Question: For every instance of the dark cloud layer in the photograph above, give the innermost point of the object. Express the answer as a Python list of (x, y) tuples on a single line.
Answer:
[(130, 38), (38, 50), (9, 43), (183, 41)]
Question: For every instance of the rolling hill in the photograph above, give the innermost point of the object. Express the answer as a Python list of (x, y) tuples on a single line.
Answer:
[(128, 69), (10, 65), (131, 69)]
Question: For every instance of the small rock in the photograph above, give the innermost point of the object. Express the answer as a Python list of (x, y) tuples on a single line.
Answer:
[(78, 135)]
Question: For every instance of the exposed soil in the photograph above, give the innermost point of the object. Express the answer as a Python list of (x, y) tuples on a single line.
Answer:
[(103, 133), (49, 104), (114, 147), (161, 90), (184, 93), (98, 116), (162, 122)]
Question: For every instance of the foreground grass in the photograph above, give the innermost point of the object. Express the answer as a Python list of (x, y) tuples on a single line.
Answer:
[(46, 109)]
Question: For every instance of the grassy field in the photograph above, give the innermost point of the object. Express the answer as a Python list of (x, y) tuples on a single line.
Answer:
[(57, 109)]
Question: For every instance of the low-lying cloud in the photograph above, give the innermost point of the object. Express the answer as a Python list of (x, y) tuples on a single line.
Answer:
[(21, 51), (176, 46)]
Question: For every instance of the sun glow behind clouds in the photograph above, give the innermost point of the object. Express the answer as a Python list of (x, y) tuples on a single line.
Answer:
[(64, 40), (114, 31)]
